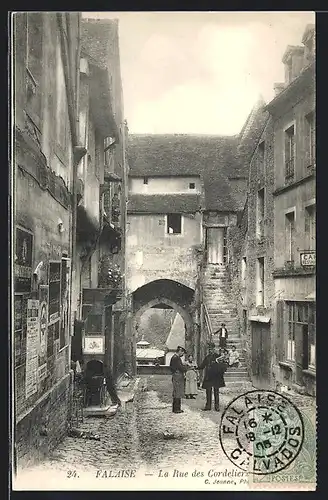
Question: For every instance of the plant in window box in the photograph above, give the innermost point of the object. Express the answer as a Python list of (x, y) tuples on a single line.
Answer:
[(110, 275)]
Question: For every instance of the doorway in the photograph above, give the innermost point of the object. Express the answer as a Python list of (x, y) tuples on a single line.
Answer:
[(216, 245), (261, 354)]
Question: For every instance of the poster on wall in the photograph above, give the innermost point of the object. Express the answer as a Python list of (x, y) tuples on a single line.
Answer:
[(43, 330), (54, 292), (53, 335), (94, 345), (23, 261), (32, 347), (64, 298), (18, 321)]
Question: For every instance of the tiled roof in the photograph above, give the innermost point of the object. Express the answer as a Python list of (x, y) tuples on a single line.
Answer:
[(211, 157), (163, 204), (99, 37), (214, 158)]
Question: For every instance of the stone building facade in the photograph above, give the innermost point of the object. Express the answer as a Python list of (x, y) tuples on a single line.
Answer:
[(252, 265), (293, 115), (45, 152), (272, 262), (185, 194), (70, 189), (99, 289)]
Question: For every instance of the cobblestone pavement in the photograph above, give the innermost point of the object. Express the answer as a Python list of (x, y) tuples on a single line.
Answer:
[(136, 437)]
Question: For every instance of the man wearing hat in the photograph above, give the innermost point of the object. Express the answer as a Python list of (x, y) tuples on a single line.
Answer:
[(178, 369), (215, 367)]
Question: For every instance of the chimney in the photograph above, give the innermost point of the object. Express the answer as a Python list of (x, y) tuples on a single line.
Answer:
[(293, 60), (278, 87), (308, 41)]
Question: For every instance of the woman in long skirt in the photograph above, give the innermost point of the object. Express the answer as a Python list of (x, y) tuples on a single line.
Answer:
[(191, 378)]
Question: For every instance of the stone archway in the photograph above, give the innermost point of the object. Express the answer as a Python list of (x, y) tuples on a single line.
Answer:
[(170, 294), (186, 316)]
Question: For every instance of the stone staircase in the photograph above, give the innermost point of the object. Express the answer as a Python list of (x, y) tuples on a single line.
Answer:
[(222, 309)]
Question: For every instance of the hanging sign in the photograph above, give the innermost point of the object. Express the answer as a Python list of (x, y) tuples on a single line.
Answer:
[(32, 347)]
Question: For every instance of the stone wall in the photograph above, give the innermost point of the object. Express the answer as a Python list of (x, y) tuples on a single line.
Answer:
[(152, 254), (237, 245), (40, 431), (42, 177)]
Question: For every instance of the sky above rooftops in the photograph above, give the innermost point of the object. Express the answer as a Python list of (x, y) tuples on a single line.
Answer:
[(200, 72)]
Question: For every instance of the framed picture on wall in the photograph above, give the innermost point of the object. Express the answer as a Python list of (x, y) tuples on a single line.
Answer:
[(94, 345)]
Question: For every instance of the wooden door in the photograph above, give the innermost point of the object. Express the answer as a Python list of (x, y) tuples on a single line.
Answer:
[(215, 245), (261, 354)]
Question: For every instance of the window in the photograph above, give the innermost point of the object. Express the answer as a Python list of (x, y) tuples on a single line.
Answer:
[(310, 224), (192, 185), (310, 135), (260, 214), (290, 352), (301, 318), (109, 149), (289, 154), (145, 180), (311, 341), (260, 156), (290, 237), (260, 282), (174, 224)]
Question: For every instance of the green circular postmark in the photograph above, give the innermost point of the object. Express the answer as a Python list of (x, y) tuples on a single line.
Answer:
[(261, 432)]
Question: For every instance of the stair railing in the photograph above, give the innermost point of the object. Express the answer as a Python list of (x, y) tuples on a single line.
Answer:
[(207, 323)]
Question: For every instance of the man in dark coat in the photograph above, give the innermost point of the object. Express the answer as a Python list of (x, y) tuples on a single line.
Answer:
[(215, 367), (223, 335), (178, 369)]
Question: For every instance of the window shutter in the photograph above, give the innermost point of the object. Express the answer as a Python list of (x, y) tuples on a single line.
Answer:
[(287, 147), (280, 330), (307, 140)]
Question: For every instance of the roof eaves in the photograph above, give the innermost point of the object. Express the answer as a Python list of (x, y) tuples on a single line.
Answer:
[(277, 99)]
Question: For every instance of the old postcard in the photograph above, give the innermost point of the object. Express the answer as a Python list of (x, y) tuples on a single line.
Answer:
[(163, 251)]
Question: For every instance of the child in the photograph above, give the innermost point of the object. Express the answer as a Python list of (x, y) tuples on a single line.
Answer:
[(233, 357), (191, 379)]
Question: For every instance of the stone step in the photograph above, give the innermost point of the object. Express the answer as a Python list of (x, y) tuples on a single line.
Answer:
[(232, 385), (236, 376), (241, 374)]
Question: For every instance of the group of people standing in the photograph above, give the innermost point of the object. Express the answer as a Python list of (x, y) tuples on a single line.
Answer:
[(185, 376)]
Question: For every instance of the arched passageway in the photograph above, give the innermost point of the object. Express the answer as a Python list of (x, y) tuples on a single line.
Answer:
[(163, 294)]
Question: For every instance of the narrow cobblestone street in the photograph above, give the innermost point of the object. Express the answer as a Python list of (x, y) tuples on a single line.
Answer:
[(136, 439)]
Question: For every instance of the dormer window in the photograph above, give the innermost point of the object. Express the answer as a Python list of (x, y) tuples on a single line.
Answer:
[(293, 60)]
